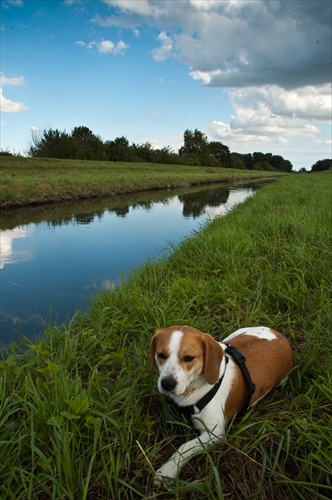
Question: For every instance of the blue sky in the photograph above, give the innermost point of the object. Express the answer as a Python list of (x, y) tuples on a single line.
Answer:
[(255, 75)]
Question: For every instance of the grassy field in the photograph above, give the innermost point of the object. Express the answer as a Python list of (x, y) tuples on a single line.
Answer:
[(26, 181), (81, 419)]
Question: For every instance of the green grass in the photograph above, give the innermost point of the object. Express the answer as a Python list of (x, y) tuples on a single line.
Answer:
[(26, 181), (81, 418)]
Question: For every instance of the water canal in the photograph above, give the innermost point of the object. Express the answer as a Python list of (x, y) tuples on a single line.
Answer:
[(54, 257)]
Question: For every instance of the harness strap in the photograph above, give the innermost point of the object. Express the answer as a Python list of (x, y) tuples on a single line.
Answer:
[(241, 361), (188, 411)]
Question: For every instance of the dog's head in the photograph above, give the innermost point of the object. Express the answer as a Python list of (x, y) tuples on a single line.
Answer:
[(183, 354)]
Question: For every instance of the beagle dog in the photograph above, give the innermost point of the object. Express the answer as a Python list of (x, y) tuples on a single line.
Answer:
[(214, 381)]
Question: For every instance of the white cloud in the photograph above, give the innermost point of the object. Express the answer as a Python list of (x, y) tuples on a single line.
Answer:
[(256, 125), (309, 102), (104, 46), (205, 76), (161, 53), (270, 113), (12, 3), (141, 7), (290, 123), (11, 81), (296, 141), (273, 59), (8, 106), (274, 115), (244, 43)]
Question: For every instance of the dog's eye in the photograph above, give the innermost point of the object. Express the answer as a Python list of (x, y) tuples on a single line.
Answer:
[(188, 359), (161, 355)]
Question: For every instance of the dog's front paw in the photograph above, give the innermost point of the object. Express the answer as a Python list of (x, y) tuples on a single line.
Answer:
[(164, 475), (158, 481)]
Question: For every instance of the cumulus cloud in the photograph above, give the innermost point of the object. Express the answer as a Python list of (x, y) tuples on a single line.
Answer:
[(12, 3), (253, 127), (166, 45), (293, 139), (241, 43), (7, 105), (292, 123), (104, 46), (4, 80), (142, 7), (204, 76), (272, 113), (309, 103), (272, 58)]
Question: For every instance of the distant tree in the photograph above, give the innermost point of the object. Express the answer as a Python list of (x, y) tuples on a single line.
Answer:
[(322, 165), (220, 152), (142, 152), (279, 163), (82, 144), (263, 165), (194, 143), (82, 135), (276, 161), (258, 157), (303, 170), (50, 144), (246, 160), (118, 150), (6, 152), (237, 162), (287, 166), (196, 150), (165, 155), (87, 146)]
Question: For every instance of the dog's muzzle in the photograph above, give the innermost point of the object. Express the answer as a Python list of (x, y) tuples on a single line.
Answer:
[(168, 384)]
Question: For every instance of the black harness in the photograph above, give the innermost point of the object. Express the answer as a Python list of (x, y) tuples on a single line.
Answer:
[(188, 411)]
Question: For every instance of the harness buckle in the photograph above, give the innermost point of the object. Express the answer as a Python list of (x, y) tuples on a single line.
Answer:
[(237, 355)]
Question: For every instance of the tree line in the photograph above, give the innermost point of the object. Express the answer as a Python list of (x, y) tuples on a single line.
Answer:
[(82, 144)]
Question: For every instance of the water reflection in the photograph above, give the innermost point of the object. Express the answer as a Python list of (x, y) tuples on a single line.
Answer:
[(54, 255), (7, 254), (195, 206), (195, 202)]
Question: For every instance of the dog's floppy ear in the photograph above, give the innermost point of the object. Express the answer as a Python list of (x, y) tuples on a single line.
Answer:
[(152, 352), (213, 354)]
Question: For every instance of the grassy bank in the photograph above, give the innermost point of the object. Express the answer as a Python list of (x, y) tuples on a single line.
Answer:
[(78, 408), (26, 181)]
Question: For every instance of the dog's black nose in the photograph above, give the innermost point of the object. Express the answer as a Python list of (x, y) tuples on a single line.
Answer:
[(168, 384)]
